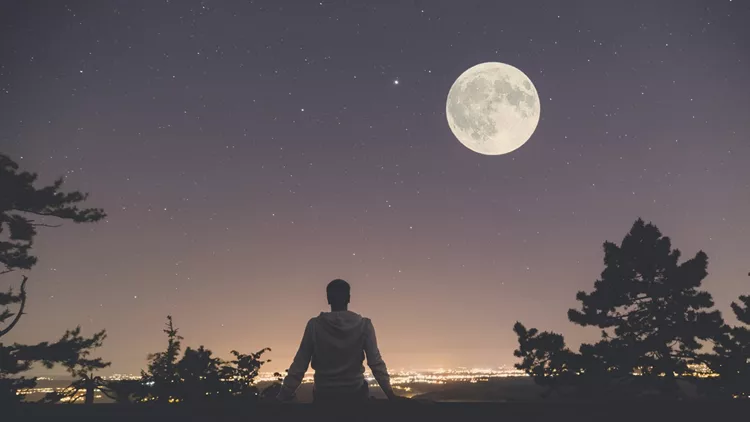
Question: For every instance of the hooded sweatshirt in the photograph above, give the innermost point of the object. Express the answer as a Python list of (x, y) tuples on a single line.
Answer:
[(336, 343)]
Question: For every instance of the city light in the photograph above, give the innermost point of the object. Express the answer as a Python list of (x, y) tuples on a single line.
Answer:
[(434, 376), (399, 379)]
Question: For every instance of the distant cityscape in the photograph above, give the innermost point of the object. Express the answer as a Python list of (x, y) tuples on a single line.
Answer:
[(401, 378), (404, 377), (432, 376)]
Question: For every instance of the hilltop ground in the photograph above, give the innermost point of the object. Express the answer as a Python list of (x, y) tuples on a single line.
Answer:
[(499, 390), (506, 399), (641, 411)]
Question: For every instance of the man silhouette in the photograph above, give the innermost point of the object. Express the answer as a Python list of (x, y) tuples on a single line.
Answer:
[(336, 342)]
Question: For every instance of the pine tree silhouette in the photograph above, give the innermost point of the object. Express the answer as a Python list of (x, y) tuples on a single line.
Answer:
[(731, 357), (162, 373), (546, 358), (652, 315), (23, 209), (198, 376), (83, 369)]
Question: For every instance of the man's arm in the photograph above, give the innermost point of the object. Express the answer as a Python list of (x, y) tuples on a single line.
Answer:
[(375, 361), (299, 366)]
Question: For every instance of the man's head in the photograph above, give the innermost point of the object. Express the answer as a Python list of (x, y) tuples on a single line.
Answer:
[(338, 294)]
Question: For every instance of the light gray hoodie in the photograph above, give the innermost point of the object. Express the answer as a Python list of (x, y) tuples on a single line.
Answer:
[(337, 342)]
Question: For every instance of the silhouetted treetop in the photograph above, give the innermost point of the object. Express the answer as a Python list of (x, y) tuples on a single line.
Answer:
[(651, 312), (644, 286), (545, 357), (651, 301), (742, 311), (731, 357), (82, 367), (199, 375), (162, 367), (638, 275), (24, 207), (71, 349)]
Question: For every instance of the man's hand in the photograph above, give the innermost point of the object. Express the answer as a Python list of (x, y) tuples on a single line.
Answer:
[(284, 396), (393, 397)]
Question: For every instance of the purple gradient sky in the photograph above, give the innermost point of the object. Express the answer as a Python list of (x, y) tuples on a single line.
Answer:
[(249, 152)]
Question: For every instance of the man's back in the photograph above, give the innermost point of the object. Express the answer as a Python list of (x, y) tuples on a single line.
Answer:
[(340, 340), (336, 342)]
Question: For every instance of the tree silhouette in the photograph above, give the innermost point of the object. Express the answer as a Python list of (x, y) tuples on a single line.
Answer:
[(19, 358), (731, 357), (198, 375), (123, 391), (652, 316), (651, 306), (162, 373), (546, 358), (242, 371), (742, 312), (272, 391), (82, 368), (23, 209)]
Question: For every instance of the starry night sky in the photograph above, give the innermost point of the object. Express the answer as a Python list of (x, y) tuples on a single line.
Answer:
[(248, 152)]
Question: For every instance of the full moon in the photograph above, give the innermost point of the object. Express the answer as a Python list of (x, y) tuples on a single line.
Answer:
[(493, 108)]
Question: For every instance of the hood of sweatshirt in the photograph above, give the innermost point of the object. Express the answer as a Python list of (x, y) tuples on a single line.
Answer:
[(341, 324)]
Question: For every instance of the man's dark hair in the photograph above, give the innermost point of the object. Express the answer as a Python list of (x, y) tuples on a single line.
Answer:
[(338, 291)]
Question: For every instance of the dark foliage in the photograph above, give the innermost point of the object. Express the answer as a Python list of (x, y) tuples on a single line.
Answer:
[(162, 374), (545, 358), (69, 351), (652, 315), (82, 368), (240, 373), (651, 305), (124, 391), (199, 376), (731, 357), (23, 209)]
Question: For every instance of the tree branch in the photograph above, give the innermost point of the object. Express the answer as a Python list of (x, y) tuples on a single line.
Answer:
[(106, 392), (45, 225), (20, 310), (39, 213), (74, 397)]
